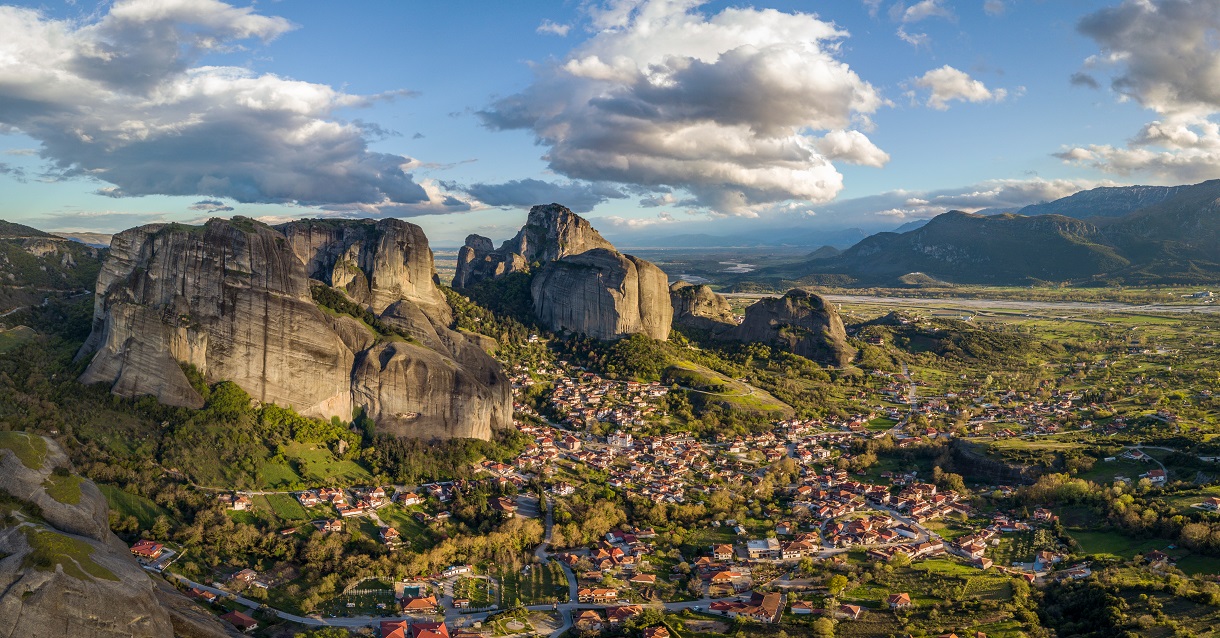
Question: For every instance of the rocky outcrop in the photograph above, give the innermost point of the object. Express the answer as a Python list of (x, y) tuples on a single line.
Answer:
[(232, 299), (699, 307), (799, 322), (603, 294), (376, 263), (62, 572), (583, 284), (551, 232)]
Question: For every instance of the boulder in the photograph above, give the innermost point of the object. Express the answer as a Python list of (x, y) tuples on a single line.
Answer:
[(800, 322), (700, 308), (603, 294)]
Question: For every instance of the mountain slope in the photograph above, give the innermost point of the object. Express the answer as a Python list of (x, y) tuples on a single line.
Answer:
[(1176, 239), (1106, 201)]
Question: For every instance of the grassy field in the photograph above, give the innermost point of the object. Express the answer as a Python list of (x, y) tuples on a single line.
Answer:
[(30, 450), (717, 388), (127, 504), (365, 603), (286, 508), (539, 585), (317, 466), (1114, 543), (280, 476), (478, 590), (415, 535), (880, 424), (14, 337)]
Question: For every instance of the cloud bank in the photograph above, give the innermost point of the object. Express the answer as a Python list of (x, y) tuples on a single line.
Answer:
[(124, 100), (741, 109), (1163, 55)]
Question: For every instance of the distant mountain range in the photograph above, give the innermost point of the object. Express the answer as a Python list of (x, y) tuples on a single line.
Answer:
[(840, 238), (1132, 235)]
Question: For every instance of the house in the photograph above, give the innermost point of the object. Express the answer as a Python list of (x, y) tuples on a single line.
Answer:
[(982, 563), (389, 535), (1211, 503), (1045, 515), (598, 595), (407, 499), (1156, 477), (456, 570), (619, 439), (850, 612), (802, 608), (235, 502), (505, 506), (723, 552), (307, 498), (763, 549), (644, 580), (147, 550), (588, 620), (393, 629), (428, 630), (419, 605), (246, 576), (331, 525), (202, 594), (461, 603), (241, 621), (620, 615), (899, 601), (656, 632)]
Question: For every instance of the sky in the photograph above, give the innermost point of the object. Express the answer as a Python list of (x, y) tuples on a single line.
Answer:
[(650, 117)]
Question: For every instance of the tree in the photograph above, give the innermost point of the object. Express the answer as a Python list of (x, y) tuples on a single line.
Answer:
[(900, 559), (823, 628), (836, 583)]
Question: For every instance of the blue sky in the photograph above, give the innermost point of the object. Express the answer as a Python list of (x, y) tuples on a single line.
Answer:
[(651, 117)]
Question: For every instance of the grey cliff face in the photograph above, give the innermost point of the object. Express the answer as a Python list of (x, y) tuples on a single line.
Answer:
[(63, 573), (699, 307), (603, 294), (376, 263), (233, 299), (802, 323)]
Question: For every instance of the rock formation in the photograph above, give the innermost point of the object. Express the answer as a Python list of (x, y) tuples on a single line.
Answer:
[(551, 232), (603, 294), (799, 322), (62, 572), (699, 307), (232, 299), (583, 285)]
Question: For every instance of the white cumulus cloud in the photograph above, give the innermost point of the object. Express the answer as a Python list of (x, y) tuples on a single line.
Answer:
[(123, 99), (739, 108), (549, 27), (947, 84)]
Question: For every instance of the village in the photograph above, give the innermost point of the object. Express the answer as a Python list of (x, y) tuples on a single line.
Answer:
[(827, 514)]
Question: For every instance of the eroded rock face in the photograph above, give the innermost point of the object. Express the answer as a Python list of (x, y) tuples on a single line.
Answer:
[(603, 294), (232, 299), (800, 322), (376, 263), (63, 573), (551, 232), (699, 307)]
